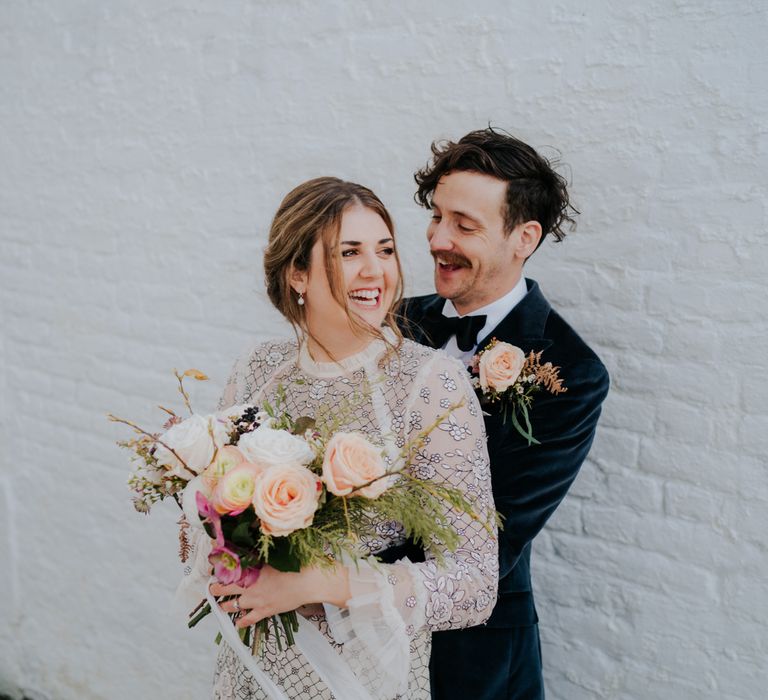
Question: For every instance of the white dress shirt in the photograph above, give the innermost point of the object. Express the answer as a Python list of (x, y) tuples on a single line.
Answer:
[(495, 312)]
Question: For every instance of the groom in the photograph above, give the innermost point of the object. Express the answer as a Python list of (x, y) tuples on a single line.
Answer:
[(493, 201)]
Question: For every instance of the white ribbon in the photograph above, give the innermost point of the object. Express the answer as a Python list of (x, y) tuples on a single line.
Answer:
[(329, 665), (230, 635)]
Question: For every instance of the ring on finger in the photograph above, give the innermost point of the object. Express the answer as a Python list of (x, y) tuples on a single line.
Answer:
[(236, 604)]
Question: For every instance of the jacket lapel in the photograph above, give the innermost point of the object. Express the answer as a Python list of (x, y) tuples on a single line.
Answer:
[(414, 309), (524, 325)]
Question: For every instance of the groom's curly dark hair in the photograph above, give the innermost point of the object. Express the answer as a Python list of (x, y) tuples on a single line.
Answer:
[(535, 192)]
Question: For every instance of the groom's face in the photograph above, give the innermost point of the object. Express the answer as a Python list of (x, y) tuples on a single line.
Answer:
[(475, 260)]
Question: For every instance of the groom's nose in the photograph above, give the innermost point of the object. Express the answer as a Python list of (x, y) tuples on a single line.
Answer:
[(439, 237)]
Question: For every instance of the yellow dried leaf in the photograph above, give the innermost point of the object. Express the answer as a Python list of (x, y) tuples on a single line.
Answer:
[(195, 374)]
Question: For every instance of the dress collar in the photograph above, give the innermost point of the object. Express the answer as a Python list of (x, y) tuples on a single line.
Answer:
[(366, 357)]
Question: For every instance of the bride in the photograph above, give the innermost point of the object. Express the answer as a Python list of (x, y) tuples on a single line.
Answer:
[(332, 270)]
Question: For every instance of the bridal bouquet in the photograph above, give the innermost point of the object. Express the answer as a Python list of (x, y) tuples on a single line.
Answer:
[(270, 489), (503, 374)]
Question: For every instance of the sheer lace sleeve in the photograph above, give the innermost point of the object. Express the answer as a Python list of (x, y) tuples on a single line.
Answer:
[(462, 591), (230, 392), (391, 603), (253, 373)]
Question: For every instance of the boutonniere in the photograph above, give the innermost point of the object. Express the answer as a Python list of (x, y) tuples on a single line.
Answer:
[(503, 374)]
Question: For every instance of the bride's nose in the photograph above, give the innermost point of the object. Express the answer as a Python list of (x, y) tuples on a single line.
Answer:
[(371, 266)]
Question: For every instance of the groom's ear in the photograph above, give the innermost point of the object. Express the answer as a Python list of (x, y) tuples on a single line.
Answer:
[(297, 279), (529, 237)]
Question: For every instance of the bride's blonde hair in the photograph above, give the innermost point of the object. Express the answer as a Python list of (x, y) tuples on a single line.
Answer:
[(308, 213)]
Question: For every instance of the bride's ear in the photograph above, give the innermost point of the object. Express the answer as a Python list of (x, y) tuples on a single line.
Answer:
[(298, 280)]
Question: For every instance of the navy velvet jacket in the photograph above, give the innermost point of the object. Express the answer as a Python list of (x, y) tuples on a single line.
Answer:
[(530, 481)]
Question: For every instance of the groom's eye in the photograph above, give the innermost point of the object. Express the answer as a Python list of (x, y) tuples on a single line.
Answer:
[(436, 217)]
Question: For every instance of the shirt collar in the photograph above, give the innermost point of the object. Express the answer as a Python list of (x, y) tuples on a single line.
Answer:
[(496, 310)]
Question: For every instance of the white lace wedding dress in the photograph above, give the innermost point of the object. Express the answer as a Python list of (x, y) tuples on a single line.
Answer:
[(393, 607)]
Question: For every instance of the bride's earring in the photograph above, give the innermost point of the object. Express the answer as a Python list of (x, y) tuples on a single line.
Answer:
[(300, 301)]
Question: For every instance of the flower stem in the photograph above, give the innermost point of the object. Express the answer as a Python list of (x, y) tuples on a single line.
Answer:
[(205, 609)]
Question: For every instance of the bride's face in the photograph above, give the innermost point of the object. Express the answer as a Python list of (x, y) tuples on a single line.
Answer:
[(369, 275)]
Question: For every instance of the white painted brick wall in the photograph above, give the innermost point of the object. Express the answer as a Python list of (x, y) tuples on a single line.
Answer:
[(143, 149)]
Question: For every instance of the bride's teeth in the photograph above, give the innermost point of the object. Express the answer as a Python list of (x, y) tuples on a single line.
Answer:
[(367, 297)]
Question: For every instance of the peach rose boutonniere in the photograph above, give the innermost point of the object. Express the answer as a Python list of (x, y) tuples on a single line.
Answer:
[(503, 374)]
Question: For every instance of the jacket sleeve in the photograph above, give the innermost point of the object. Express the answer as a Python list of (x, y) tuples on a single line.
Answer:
[(530, 481)]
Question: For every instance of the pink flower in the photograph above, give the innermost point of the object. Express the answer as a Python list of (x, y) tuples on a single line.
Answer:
[(210, 515), (500, 366), (351, 461), (226, 565)]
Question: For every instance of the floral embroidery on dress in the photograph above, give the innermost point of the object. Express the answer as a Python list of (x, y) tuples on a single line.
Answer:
[(456, 431), (448, 382), (414, 421)]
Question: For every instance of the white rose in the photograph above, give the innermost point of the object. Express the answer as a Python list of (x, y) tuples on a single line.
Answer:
[(191, 440), (266, 446)]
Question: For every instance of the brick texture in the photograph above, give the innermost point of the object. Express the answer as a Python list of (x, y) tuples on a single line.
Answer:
[(144, 149)]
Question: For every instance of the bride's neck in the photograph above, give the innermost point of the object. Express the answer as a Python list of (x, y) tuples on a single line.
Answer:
[(334, 349)]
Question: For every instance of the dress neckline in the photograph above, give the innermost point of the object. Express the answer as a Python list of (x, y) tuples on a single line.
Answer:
[(367, 356)]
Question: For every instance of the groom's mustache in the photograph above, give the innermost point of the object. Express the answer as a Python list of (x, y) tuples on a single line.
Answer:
[(451, 259)]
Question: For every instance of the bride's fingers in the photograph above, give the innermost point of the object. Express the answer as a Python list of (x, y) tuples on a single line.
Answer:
[(232, 605), (251, 618), (218, 589)]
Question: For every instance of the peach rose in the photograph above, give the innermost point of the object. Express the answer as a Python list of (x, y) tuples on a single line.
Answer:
[(285, 498), (351, 461), (500, 366), (234, 490)]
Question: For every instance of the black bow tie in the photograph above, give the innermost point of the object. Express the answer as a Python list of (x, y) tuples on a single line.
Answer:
[(439, 329)]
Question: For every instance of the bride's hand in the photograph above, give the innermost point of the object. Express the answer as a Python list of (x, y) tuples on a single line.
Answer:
[(276, 591)]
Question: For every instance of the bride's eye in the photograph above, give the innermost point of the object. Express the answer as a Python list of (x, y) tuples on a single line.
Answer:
[(348, 253)]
